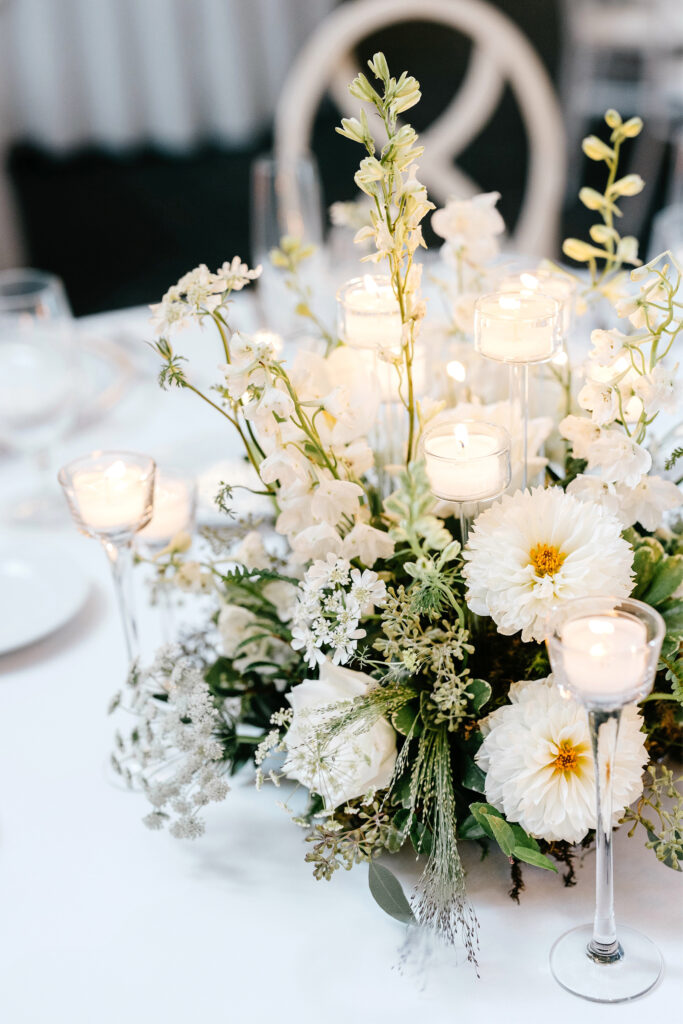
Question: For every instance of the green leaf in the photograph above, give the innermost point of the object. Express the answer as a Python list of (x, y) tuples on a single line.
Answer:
[(645, 562), (471, 829), (667, 578), (388, 894), (473, 777), (503, 834), (406, 720), (673, 616), (480, 692), (534, 857), (421, 838)]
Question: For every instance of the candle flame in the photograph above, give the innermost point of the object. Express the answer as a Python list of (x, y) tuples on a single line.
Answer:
[(561, 358), (597, 651), (370, 284), (456, 370), (116, 470), (529, 281), (509, 302), (461, 434)]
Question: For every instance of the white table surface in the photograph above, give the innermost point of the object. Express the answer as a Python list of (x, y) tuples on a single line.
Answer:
[(103, 921)]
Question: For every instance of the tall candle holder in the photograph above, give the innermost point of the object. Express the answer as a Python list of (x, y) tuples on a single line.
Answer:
[(467, 461), (175, 506), (521, 329), (604, 653), (559, 286), (110, 496)]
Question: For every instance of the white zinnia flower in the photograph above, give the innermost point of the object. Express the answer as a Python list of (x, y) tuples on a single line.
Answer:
[(532, 551), (539, 765), (352, 763)]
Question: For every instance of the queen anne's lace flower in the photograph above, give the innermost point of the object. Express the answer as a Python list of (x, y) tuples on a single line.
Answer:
[(539, 766), (348, 764), (532, 551)]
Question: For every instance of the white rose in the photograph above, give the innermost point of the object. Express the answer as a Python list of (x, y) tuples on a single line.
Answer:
[(234, 625), (251, 552), (351, 764), (284, 596)]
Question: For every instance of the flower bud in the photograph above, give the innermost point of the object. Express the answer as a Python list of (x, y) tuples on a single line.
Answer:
[(632, 127), (352, 129), (580, 251), (379, 67), (591, 199), (596, 149), (629, 185), (612, 118), (627, 249)]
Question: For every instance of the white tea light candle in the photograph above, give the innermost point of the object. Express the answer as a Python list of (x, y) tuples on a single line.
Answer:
[(114, 497), (369, 314), (173, 509), (560, 287), (517, 327), (604, 655), (467, 461)]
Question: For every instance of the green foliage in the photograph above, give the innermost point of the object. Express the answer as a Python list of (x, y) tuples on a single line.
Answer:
[(355, 833), (660, 812), (676, 454), (511, 838), (409, 509), (388, 894)]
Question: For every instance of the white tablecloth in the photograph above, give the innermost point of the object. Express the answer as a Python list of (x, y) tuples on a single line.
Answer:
[(103, 922)]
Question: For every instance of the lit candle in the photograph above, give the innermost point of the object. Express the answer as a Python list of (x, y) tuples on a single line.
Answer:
[(467, 462), (173, 509), (604, 656), (115, 497), (517, 327), (369, 314), (560, 287)]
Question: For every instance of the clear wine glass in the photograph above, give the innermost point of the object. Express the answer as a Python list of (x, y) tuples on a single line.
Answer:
[(110, 496), (285, 199), (38, 380), (604, 653)]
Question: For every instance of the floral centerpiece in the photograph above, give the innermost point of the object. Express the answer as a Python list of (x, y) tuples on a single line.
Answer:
[(358, 646)]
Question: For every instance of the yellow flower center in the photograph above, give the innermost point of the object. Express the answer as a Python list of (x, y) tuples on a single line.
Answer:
[(546, 559), (566, 759)]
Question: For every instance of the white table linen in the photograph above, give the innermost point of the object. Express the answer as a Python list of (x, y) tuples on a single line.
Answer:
[(104, 921)]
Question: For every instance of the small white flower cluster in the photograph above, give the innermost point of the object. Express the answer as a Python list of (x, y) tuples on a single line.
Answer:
[(199, 292), (174, 754), (333, 598), (627, 385)]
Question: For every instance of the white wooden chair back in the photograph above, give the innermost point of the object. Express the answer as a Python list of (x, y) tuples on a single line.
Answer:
[(501, 54)]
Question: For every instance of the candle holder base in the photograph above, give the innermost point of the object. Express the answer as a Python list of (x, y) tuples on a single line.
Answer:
[(613, 980)]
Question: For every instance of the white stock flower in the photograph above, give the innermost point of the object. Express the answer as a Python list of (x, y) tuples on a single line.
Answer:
[(582, 433), (470, 227), (333, 499), (534, 550), (657, 390), (647, 501), (284, 465), (348, 765), (601, 400), (619, 459), (608, 346), (593, 489), (539, 766), (316, 542), (367, 544), (234, 275), (295, 509), (273, 405), (357, 457)]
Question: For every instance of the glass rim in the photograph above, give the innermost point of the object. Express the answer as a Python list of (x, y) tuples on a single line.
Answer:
[(543, 274), (640, 612), (494, 429), (353, 282), (553, 313), (68, 469)]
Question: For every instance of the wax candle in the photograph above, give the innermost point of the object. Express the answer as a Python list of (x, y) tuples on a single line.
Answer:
[(467, 462), (173, 509), (560, 287), (369, 314), (112, 498), (517, 327), (604, 656)]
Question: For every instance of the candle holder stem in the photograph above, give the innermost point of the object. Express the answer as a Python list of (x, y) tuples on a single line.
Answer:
[(465, 521), (604, 946), (120, 555), (519, 406)]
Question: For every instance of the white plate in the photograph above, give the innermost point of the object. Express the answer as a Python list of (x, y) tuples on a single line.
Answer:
[(41, 589)]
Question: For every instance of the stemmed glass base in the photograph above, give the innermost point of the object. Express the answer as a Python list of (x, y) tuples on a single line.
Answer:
[(635, 969)]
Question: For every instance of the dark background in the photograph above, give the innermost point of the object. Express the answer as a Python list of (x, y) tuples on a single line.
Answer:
[(119, 228)]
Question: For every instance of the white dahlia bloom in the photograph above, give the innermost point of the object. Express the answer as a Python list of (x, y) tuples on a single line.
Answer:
[(534, 550), (539, 765)]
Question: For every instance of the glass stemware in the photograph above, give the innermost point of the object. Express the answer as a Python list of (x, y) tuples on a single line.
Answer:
[(38, 381), (604, 653), (110, 495)]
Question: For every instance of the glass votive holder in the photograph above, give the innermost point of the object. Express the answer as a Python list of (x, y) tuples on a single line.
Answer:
[(175, 505), (517, 327), (466, 460), (368, 314), (110, 494), (561, 287)]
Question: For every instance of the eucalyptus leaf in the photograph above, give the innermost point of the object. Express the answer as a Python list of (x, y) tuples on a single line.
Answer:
[(388, 894), (473, 777), (480, 692), (534, 857)]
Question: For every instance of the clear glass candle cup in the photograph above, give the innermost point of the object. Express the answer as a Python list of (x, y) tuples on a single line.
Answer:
[(604, 653), (517, 327), (110, 496), (368, 314), (467, 460), (559, 286)]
